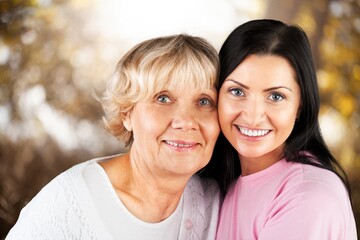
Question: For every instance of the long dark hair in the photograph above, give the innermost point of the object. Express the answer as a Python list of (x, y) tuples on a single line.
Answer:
[(272, 37)]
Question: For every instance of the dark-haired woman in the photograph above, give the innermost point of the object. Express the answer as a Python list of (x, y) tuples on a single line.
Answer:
[(281, 180)]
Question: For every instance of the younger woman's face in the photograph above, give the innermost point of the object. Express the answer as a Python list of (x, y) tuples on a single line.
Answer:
[(258, 106)]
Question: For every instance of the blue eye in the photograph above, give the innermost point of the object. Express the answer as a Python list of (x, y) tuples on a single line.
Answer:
[(236, 92), (205, 102), (276, 97), (163, 98)]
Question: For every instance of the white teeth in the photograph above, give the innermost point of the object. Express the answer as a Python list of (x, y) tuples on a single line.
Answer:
[(253, 133), (178, 144)]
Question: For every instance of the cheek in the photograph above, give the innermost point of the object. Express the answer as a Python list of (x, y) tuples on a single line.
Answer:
[(147, 124), (284, 121), (211, 127), (227, 112)]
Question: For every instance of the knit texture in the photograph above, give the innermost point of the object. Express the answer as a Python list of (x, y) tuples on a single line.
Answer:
[(63, 209)]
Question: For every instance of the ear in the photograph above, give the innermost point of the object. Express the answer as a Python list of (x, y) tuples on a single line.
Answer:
[(127, 120)]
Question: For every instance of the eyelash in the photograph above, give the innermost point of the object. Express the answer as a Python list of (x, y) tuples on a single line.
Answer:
[(238, 92), (232, 91), (210, 102), (159, 97), (278, 95)]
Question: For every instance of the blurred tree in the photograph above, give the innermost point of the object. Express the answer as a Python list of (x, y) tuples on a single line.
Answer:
[(48, 117)]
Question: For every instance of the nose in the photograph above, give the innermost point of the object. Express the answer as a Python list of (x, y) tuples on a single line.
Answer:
[(254, 112), (185, 119)]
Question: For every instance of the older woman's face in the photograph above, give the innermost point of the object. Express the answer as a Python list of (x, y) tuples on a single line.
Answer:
[(175, 132)]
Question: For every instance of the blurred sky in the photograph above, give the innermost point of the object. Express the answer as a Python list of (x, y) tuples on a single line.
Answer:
[(137, 20)]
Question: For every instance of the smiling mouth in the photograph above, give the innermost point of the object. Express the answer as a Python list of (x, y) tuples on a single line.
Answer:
[(253, 133), (180, 145)]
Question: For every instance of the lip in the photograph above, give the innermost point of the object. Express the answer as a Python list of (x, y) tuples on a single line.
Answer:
[(181, 146), (252, 134)]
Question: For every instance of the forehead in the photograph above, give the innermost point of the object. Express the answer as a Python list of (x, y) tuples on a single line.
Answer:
[(268, 69), (187, 88), (183, 81)]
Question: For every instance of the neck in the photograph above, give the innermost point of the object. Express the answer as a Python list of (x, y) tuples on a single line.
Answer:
[(251, 165), (148, 196)]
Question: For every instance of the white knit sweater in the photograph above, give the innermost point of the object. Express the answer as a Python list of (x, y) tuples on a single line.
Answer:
[(65, 209)]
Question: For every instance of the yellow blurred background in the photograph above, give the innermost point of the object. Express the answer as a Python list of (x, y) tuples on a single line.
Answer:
[(54, 54)]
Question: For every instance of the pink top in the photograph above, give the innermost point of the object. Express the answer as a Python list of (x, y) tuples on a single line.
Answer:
[(287, 201)]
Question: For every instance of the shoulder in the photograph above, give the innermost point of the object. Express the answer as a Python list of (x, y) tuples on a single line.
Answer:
[(317, 181), (58, 186), (55, 205), (68, 185), (317, 192), (313, 198)]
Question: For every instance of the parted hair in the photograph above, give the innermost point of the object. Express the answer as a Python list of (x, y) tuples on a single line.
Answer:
[(152, 66)]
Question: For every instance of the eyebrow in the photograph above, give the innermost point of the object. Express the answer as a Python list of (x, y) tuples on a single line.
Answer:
[(265, 90)]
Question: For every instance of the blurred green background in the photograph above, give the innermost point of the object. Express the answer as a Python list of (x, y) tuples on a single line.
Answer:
[(55, 54)]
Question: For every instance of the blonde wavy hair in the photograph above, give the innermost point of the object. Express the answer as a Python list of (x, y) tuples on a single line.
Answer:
[(154, 65)]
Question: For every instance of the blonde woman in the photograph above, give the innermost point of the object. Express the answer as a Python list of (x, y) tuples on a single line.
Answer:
[(161, 102)]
